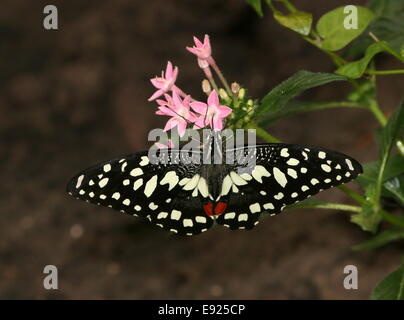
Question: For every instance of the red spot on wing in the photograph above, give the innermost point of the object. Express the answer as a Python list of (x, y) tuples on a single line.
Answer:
[(220, 208), (208, 208)]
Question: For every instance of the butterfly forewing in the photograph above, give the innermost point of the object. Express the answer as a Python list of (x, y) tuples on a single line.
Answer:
[(134, 185), (283, 174)]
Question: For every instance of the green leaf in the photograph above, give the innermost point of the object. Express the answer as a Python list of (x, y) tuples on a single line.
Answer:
[(391, 287), (331, 27), (392, 130), (394, 167), (396, 187), (381, 239), (356, 69), (298, 21), (369, 218), (277, 98), (387, 25), (257, 6)]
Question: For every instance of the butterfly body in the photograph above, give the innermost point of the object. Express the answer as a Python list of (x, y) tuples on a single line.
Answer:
[(188, 197)]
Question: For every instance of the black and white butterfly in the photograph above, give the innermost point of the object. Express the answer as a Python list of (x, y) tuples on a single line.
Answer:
[(188, 198)]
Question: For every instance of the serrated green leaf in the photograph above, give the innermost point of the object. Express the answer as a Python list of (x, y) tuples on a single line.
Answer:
[(332, 29), (277, 98), (257, 6), (298, 21), (391, 287), (356, 69), (380, 240)]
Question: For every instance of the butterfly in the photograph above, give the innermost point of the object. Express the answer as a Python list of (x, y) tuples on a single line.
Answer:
[(188, 197)]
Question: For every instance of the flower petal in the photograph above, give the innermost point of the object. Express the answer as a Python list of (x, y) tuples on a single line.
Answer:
[(169, 70), (198, 43), (199, 107), (171, 124), (224, 111), (155, 95), (182, 126), (217, 123), (213, 99)]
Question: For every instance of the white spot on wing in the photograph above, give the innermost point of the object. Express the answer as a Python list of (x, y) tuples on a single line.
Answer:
[(314, 181), (192, 183), (259, 172), (187, 223), (292, 173), (162, 215), (203, 187), (137, 184), (171, 178), (237, 180), (292, 162), (284, 153), (136, 172), (349, 163), (280, 177), (150, 186), (153, 206), (255, 207), (103, 182), (79, 181), (243, 217), (229, 215), (175, 215), (144, 162), (326, 167), (226, 185), (200, 219)]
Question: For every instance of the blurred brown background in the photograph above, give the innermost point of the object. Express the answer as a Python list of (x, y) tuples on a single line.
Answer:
[(73, 97)]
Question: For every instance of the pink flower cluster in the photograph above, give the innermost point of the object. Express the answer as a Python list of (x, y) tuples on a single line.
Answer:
[(180, 107)]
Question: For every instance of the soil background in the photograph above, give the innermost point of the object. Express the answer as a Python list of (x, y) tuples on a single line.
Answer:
[(73, 97)]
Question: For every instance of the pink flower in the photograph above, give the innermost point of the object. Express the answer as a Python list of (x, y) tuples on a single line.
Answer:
[(211, 113), (203, 51), (179, 112), (166, 82), (170, 144)]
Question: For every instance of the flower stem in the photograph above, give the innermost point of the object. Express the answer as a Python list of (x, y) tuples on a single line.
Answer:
[(391, 218), (385, 72), (328, 205), (374, 108), (222, 79), (354, 195), (213, 84)]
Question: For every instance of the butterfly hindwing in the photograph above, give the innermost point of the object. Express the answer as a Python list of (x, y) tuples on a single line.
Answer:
[(283, 174), (157, 191)]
